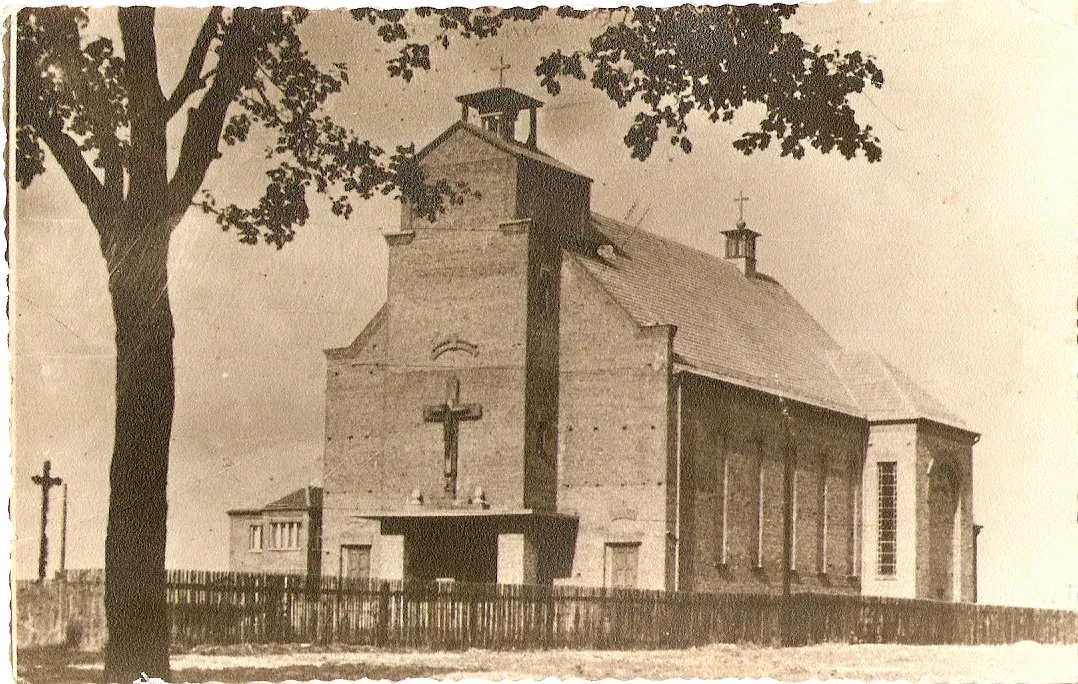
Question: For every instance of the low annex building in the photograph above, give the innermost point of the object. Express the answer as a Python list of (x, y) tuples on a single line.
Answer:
[(282, 537), (548, 395)]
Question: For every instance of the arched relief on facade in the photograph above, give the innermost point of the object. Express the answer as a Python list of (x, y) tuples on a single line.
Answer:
[(451, 343), (944, 510)]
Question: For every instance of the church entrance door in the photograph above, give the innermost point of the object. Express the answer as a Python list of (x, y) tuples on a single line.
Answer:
[(465, 550)]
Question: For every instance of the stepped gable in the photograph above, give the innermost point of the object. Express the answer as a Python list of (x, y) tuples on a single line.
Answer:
[(510, 146)]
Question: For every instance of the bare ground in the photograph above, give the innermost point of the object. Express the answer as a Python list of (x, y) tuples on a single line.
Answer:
[(1023, 662)]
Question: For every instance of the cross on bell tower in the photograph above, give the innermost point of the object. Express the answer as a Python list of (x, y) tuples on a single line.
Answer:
[(501, 69), (450, 414), (740, 200)]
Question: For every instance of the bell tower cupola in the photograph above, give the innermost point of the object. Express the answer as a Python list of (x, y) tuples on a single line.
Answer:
[(498, 110), (741, 242)]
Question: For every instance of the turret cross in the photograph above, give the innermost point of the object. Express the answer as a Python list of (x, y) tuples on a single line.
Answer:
[(449, 414), (741, 199), (501, 69), (46, 481)]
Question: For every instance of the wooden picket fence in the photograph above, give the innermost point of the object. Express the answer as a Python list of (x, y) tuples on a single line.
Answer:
[(218, 608)]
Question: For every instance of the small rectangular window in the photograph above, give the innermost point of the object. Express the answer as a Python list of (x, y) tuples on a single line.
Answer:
[(887, 497), (254, 538)]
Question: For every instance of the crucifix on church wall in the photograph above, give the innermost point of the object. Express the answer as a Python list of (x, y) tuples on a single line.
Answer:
[(450, 414)]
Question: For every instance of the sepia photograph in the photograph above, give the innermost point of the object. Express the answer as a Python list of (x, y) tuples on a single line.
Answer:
[(503, 343)]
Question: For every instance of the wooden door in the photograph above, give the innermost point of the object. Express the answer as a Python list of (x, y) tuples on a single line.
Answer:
[(356, 561), (621, 565)]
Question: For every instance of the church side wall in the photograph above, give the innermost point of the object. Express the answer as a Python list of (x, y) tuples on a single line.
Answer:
[(613, 432), (746, 429)]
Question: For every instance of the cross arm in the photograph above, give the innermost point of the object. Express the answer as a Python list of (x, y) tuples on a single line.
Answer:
[(470, 412), (434, 414)]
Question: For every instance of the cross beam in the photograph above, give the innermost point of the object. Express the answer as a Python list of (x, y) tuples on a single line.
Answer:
[(501, 69), (450, 414), (46, 481), (741, 199)]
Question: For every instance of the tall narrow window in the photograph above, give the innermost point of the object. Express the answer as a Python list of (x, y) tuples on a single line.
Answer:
[(759, 561), (724, 507), (254, 538), (854, 503), (887, 495), (822, 507), (793, 517)]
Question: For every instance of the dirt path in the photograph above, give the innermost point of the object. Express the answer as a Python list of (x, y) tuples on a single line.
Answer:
[(1024, 662)]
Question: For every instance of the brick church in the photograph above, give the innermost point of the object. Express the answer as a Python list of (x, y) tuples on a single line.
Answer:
[(548, 395)]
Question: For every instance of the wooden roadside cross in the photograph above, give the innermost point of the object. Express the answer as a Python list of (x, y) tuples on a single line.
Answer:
[(46, 481), (450, 414)]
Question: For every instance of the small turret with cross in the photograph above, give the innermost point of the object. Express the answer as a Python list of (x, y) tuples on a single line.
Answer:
[(741, 242)]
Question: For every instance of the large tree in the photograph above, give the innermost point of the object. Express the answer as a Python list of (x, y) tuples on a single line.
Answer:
[(97, 105)]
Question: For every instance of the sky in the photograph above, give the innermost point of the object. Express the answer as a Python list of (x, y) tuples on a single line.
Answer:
[(954, 257)]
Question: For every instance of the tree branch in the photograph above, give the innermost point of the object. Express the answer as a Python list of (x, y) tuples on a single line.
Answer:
[(82, 178), (235, 68), (192, 80), (149, 145), (140, 59)]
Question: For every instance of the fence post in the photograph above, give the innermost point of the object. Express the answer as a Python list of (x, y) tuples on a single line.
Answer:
[(381, 633)]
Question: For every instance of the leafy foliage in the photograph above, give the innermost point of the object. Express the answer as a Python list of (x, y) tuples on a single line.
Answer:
[(674, 61), (75, 96)]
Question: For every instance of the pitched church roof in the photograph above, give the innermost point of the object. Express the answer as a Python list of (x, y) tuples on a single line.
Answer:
[(749, 330)]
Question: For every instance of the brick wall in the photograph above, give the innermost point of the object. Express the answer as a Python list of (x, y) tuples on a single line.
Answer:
[(613, 430), (747, 430)]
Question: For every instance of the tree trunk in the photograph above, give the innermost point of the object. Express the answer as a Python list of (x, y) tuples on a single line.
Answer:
[(135, 601)]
